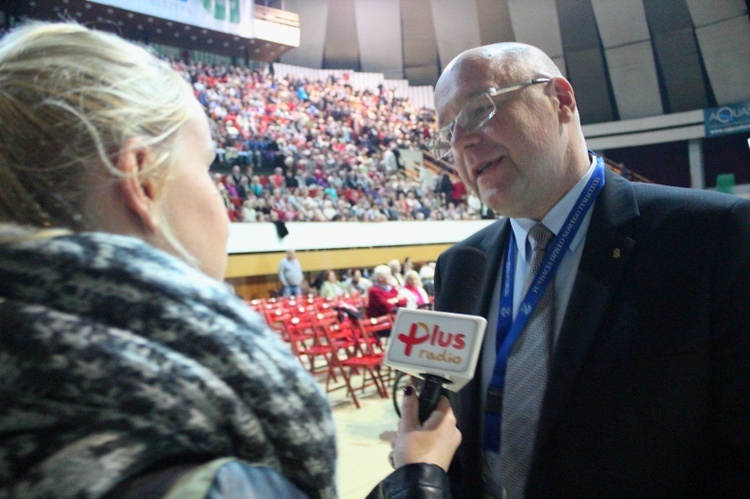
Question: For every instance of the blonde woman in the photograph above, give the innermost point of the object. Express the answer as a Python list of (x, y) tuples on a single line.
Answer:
[(415, 294), (127, 367)]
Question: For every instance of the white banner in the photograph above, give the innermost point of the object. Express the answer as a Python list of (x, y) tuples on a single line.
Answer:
[(263, 237), (228, 16)]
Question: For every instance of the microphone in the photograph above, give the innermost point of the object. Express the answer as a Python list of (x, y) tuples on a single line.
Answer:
[(442, 348)]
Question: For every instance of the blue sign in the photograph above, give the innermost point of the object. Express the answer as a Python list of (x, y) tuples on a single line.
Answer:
[(726, 120)]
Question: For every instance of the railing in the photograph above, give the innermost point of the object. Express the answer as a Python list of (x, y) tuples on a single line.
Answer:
[(625, 172)]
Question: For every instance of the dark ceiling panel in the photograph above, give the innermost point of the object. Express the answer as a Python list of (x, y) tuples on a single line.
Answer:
[(313, 17), (420, 44), (577, 25), (677, 57), (494, 22), (585, 64), (725, 53), (587, 75), (667, 15), (682, 79), (342, 48)]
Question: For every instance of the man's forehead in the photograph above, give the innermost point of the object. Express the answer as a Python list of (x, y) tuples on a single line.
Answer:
[(462, 82)]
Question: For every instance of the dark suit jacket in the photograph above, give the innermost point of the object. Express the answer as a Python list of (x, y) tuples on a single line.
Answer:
[(649, 389)]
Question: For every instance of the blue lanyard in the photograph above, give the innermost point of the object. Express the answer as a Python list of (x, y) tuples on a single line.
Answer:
[(508, 330)]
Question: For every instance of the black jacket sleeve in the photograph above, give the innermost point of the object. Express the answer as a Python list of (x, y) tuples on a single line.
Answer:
[(414, 481), (220, 479), (241, 480)]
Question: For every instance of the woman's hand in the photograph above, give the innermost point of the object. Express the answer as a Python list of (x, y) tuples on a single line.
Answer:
[(433, 442)]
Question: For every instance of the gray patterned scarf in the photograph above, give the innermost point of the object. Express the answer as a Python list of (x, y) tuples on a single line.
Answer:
[(115, 357)]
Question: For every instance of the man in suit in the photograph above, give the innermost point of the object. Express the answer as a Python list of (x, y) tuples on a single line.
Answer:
[(646, 384)]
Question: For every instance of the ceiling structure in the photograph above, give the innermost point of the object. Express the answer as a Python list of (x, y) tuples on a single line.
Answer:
[(147, 29), (627, 59)]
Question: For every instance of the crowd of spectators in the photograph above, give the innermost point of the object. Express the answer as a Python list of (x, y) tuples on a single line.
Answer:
[(386, 287), (290, 149)]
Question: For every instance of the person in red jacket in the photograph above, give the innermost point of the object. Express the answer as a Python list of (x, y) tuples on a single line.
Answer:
[(382, 297), (458, 194)]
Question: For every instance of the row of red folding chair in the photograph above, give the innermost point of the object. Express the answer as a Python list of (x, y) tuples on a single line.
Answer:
[(300, 327), (330, 343), (304, 341), (310, 302), (347, 348), (353, 350)]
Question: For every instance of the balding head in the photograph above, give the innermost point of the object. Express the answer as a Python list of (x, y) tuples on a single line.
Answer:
[(516, 60), (518, 143), (500, 63)]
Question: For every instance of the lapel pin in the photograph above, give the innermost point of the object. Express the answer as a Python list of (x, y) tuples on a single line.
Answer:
[(616, 253)]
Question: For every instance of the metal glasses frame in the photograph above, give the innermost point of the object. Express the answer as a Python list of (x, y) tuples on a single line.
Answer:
[(473, 116)]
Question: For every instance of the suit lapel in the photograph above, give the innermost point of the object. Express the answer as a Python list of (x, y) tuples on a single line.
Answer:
[(607, 249), (494, 246), (466, 403)]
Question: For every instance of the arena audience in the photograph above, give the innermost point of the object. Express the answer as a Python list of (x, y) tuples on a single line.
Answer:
[(333, 150)]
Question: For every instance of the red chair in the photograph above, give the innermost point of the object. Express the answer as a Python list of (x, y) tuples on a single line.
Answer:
[(277, 319), (256, 304), (305, 344), (355, 299), (329, 332), (376, 331), (378, 327), (351, 354)]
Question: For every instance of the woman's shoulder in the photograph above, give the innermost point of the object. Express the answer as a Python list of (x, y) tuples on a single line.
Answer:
[(226, 478)]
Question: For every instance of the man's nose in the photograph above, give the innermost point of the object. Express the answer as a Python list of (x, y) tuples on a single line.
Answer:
[(461, 138)]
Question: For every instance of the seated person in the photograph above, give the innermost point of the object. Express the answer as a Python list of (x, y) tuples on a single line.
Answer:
[(382, 297), (397, 278), (415, 294), (358, 283), (331, 287), (427, 274), (128, 368)]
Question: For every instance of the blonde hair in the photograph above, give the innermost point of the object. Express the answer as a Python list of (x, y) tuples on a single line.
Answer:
[(413, 274), (70, 99)]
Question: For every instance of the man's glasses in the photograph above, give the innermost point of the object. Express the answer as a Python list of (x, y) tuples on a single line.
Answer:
[(475, 113)]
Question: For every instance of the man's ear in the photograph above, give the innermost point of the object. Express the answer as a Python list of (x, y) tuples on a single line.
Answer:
[(566, 99), (139, 194)]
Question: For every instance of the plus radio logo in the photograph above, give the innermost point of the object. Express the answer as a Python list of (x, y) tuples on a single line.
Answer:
[(435, 344)]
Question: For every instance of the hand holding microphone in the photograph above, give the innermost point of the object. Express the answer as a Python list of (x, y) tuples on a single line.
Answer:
[(433, 441), (443, 347)]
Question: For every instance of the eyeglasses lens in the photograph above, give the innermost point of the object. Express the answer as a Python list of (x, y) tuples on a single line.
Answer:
[(476, 113), (440, 144)]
